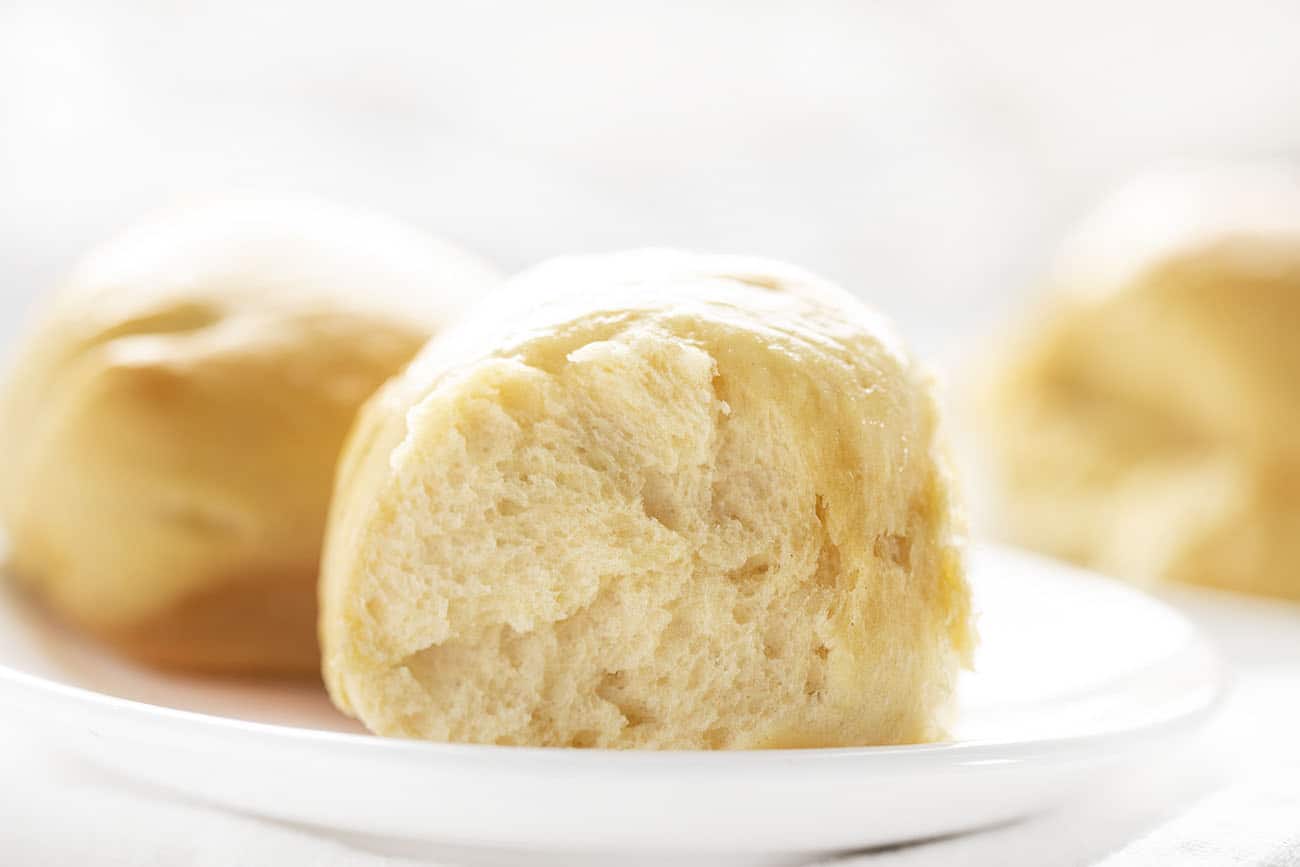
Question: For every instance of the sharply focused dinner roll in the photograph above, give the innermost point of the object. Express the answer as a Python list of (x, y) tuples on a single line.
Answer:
[(1147, 426), (171, 427), (652, 500)]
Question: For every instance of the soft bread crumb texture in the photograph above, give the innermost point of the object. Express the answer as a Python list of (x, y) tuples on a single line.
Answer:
[(650, 500), (172, 425), (1147, 427)]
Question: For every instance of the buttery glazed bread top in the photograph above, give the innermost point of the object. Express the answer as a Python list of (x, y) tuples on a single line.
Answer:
[(649, 500), (1146, 426), (172, 425)]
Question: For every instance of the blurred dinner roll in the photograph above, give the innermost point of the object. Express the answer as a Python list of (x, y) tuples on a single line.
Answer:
[(650, 500), (172, 424), (1146, 424)]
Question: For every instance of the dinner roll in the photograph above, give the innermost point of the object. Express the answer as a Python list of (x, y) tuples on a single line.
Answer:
[(1146, 425), (171, 427), (653, 500)]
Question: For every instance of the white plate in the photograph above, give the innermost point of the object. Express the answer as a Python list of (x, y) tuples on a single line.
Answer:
[(1077, 677)]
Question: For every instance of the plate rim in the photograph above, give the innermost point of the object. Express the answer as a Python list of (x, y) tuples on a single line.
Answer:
[(192, 725)]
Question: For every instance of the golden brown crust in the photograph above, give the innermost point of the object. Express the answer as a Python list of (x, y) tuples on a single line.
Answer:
[(172, 426), (1147, 427), (250, 624)]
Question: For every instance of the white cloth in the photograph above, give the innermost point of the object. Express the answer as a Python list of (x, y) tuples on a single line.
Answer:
[(1257, 822), (57, 811)]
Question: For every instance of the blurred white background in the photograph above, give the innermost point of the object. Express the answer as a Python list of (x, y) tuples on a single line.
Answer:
[(928, 154)]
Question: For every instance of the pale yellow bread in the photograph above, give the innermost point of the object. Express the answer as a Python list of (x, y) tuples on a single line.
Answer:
[(171, 425), (650, 500), (1146, 424)]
